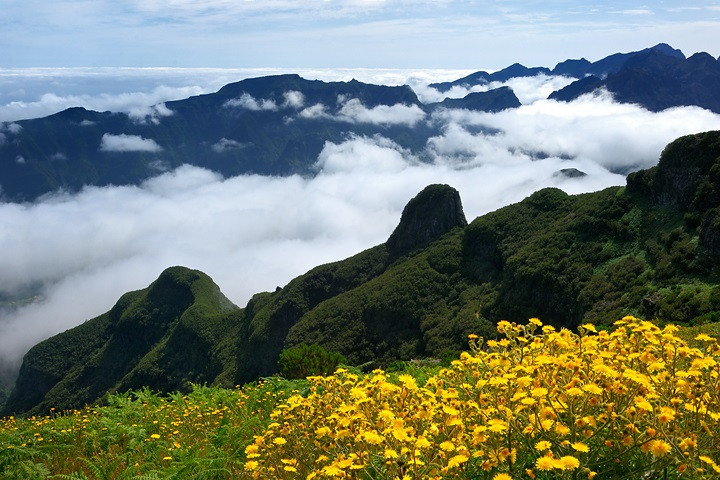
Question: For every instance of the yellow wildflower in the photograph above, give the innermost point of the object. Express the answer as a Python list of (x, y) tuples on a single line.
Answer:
[(545, 463), (539, 392), (659, 448), (408, 381), (447, 446), (502, 476), (580, 447), (543, 445), (568, 462), (666, 414), (457, 460), (422, 442), (390, 453)]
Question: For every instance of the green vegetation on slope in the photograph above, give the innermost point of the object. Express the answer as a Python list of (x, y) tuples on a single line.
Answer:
[(166, 335), (569, 259), (651, 249)]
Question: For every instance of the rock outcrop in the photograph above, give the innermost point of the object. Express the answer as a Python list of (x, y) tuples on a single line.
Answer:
[(687, 175), (494, 100), (436, 210), (164, 336)]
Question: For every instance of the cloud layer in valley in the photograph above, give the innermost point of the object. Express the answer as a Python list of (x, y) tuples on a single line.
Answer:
[(80, 252)]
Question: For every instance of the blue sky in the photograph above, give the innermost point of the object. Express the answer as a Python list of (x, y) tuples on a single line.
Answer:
[(343, 33)]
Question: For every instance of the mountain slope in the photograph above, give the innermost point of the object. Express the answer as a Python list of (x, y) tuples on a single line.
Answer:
[(165, 335), (651, 249), (567, 259)]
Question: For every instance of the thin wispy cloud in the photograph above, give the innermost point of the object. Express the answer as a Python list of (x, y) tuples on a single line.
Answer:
[(408, 33), (143, 106), (127, 143), (248, 102), (225, 145), (635, 11), (353, 111), (527, 89), (151, 114)]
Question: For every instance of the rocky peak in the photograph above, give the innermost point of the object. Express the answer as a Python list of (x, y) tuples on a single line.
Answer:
[(494, 100), (433, 212), (666, 49)]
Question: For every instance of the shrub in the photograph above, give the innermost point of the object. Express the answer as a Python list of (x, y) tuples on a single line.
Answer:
[(307, 360)]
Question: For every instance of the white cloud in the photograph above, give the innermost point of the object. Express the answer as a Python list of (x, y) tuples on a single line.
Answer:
[(224, 145), (248, 102), (128, 143), (151, 114), (13, 128), (315, 111), (353, 111), (58, 156), (594, 127), (635, 11), (364, 154), (127, 102), (294, 99), (20, 160), (526, 89)]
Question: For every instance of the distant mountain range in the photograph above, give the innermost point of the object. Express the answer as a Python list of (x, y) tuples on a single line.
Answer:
[(656, 81), (273, 125), (651, 249), (278, 125), (569, 68)]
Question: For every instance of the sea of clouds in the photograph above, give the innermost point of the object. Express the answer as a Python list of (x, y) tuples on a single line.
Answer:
[(78, 253)]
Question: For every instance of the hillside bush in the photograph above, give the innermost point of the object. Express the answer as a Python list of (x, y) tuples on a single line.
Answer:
[(306, 360)]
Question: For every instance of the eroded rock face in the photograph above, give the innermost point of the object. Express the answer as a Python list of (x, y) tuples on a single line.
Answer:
[(710, 231), (436, 210), (687, 176)]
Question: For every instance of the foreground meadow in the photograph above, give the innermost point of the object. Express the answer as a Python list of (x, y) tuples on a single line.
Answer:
[(633, 402)]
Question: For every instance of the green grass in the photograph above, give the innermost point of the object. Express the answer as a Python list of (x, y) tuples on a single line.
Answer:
[(144, 435)]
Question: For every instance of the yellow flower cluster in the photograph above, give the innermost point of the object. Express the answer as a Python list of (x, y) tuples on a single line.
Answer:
[(540, 403)]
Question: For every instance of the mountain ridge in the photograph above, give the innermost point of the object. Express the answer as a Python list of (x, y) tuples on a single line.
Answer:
[(656, 81), (274, 125)]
